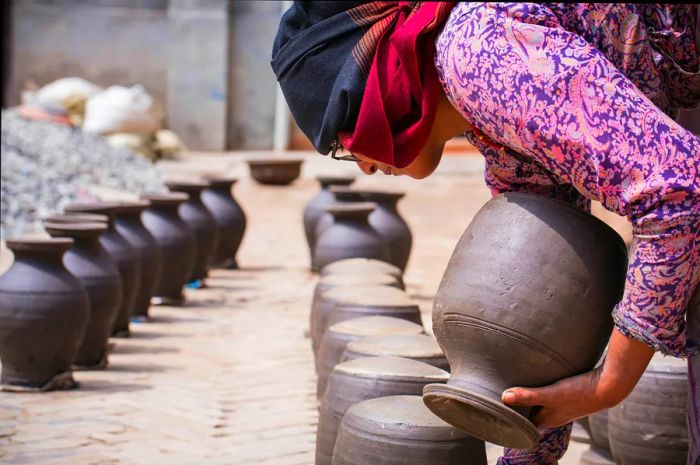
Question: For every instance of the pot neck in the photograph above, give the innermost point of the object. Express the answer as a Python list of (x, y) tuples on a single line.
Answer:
[(45, 252)]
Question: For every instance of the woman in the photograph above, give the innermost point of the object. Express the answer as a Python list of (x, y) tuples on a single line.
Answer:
[(573, 101)]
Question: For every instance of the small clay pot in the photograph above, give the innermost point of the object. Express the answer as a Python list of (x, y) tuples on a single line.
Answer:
[(367, 378), (340, 334), (420, 347), (128, 223), (357, 266), (275, 171), (125, 256), (176, 243), (202, 223), (599, 451), (400, 430), (230, 220), (317, 205), (43, 314), (88, 261), (528, 273), (344, 303), (341, 194), (387, 221), (649, 426), (350, 236)]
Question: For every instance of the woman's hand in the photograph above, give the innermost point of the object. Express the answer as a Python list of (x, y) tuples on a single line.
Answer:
[(579, 396)]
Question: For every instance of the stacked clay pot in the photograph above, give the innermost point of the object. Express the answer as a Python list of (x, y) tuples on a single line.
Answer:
[(420, 347), (230, 220), (43, 314), (88, 261), (367, 378), (649, 426), (125, 256), (599, 452), (386, 220), (526, 276), (176, 243), (202, 224), (400, 430), (128, 223), (337, 337)]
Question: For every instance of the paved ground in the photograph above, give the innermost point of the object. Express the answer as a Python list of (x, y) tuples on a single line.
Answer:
[(229, 378)]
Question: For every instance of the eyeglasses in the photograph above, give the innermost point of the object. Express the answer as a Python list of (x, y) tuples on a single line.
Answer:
[(335, 146)]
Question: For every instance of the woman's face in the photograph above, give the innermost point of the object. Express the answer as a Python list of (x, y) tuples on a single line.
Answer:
[(423, 165)]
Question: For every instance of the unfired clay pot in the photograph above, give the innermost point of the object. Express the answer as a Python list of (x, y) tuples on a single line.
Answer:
[(367, 378), (275, 171), (202, 224), (43, 314), (400, 430), (337, 337), (356, 266), (176, 243), (350, 236), (599, 451), (230, 220), (420, 347), (528, 273), (649, 426), (88, 261), (387, 221)]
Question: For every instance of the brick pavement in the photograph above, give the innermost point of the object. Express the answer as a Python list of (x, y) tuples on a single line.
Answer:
[(229, 378)]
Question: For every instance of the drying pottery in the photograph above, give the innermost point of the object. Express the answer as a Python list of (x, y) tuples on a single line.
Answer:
[(43, 313), (338, 336), (350, 236), (367, 378), (528, 273), (275, 171), (344, 303), (125, 256), (599, 451), (358, 266), (317, 206), (649, 426), (386, 220), (128, 223), (176, 243), (202, 224), (400, 430), (420, 347), (341, 194), (88, 261), (230, 220)]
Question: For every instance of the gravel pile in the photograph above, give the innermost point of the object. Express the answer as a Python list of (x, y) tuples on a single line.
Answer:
[(46, 166)]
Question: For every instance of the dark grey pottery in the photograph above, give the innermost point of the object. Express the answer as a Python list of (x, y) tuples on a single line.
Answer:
[(275, 171), (356, 266), (528, 273), (363, 379), (387, 221), (43, 314), (230, 220), (341, 194), (420, 347)]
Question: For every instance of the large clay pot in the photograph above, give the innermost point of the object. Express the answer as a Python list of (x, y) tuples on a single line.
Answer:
[(528, 273), (649, 427), (367, 378), (275, 171), (230, 220), (599, 451), (88, 261), (420, 347), (128, 223), (343, 303), (317, 206), (340, 334), (350, 236), (355, 266), (202, 223), (341, 194), (387, 221), (43, 314), (400, 430), (125, 256), (176, 243)]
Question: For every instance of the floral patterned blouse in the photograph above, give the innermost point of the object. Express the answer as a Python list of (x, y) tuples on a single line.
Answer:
[(576, 101)]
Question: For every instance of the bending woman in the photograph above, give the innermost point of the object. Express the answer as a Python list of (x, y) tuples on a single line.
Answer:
[(573, 101)]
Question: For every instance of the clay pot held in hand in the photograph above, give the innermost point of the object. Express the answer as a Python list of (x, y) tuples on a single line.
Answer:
[(340, 334), (649, 426), (599, 451), (43, 313), (202, 224), (387, 221), (88, 261), (420, 347), (128, 223), (367, 378), (528, 273), (275, 171), (125, 256), (176, 243), (230, 220), (400, 430), (350, 236)]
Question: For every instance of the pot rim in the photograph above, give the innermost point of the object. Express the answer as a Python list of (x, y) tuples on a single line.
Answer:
[(58, 244), (262, 162), (76, 218), (187, 187), (105, 208), (135, 206), (75, 229), (166, 199), (351, 209)]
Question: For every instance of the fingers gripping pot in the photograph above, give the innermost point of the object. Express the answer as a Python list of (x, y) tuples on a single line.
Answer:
[(527, 275)]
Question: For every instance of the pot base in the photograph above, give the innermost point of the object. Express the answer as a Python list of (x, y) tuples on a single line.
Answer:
[(168, 301), (122, 334), (101, 364), (60, 382), (480, 416)]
